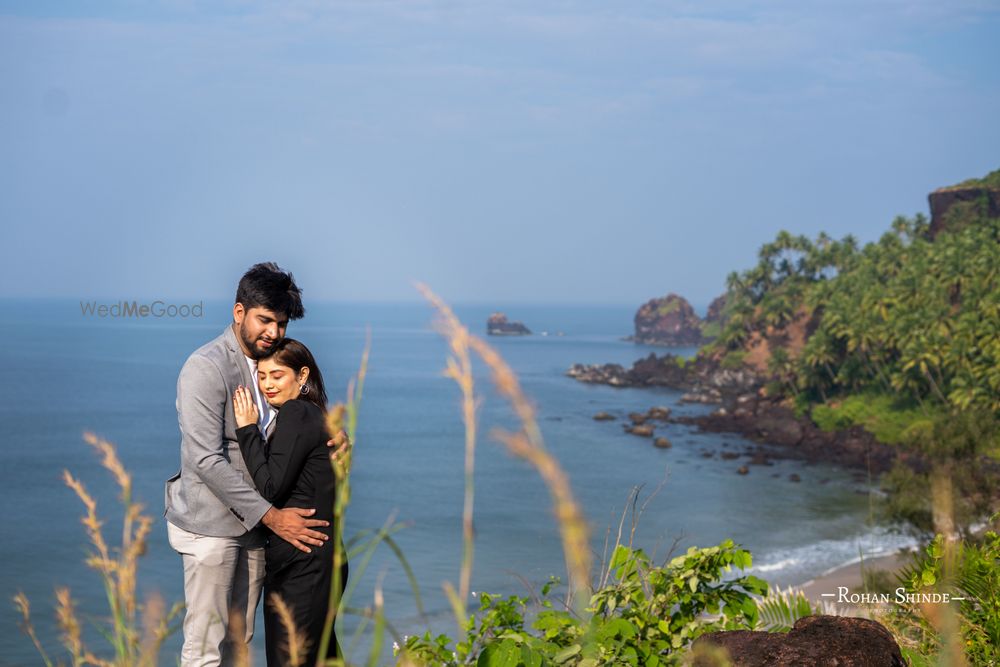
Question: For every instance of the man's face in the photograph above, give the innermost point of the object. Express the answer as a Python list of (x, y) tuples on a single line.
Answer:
[(260, 329)]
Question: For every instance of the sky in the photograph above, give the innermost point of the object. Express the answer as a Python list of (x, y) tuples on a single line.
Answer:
[(534, 152)]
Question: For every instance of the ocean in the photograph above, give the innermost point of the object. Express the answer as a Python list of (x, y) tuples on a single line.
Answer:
[(67, 372)]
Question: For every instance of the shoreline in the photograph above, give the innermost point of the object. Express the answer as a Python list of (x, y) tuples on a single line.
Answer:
[(742, 407), (824, 588)]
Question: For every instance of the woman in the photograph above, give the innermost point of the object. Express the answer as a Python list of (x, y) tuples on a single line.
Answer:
[(292, 470)]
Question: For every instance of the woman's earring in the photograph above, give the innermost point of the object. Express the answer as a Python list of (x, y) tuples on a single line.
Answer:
[(303, 389)]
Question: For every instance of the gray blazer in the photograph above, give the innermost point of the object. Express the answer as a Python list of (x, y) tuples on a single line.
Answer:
[(213, 494)]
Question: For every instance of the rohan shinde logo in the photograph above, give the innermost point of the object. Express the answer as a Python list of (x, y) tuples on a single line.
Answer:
[(899, 596)]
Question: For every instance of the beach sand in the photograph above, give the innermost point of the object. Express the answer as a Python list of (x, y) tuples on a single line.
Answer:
[(825, 589)]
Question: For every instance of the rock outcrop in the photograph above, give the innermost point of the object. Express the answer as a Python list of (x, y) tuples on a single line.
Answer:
[(667, 321), (817, 641), (953, 207), (747, 409), (714, 313), (703, 378), (498, 325), (769, 421)]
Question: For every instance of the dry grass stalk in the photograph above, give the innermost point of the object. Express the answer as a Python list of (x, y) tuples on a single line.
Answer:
[(118, 567), (69, 625), (101, 561), (459, 369), (24, 607), (573, 526), (296, 647), (378, 631), (235, 651), (110, 461), (342, 418), (528, 444), (155, 624)]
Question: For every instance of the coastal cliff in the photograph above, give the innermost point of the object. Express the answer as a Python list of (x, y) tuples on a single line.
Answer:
[(956, 206)]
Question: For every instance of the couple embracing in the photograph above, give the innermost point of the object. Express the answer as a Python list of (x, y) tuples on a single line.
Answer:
[(252, 505)]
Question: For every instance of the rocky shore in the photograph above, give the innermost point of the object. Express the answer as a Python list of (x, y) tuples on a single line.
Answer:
[(746, 409)]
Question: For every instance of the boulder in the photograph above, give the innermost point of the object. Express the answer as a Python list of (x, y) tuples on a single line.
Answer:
[(814, 641), (709, 395), (780, 427), (645, 430), (612, 374), (661, 413)]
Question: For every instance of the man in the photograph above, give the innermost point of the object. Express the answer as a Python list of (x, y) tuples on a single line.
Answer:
[(212, 508)]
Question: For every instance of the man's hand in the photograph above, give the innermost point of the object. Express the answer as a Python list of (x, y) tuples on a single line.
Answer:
[(291, 525), (342, 444)]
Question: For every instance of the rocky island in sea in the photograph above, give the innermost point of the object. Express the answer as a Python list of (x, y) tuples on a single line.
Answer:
[(499, 325), (671, 321)]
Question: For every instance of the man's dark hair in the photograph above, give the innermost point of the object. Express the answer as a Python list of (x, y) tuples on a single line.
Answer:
[(266, 285)]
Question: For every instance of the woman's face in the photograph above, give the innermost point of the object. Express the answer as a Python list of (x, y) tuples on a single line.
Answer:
[(279, 383)]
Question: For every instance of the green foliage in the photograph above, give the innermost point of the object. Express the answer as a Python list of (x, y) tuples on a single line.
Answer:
[(668, 306), (907, 316), (733, 360), (780, 609), (711, 329), (769, 294), (678, 361), (958, 446), (498, 618), (965, 569), (644, 615), (879, 414), (801, 405), (991, 180), (915, 318), (908, 499)]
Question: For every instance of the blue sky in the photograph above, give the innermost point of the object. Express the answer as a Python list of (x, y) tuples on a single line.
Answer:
[(498, 151)]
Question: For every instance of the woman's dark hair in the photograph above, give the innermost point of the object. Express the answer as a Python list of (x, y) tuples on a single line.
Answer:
[(266, 285), (293, 354)]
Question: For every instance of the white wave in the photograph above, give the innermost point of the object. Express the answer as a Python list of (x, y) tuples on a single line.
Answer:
[(794, 565)]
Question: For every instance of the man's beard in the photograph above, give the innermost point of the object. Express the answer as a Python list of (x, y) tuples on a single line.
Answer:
[(251, 345)]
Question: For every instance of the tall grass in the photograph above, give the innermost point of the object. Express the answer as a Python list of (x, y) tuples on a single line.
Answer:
[(526, 443), (134, 642)]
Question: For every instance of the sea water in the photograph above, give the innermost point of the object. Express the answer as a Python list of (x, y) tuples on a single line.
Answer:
[(66, 372)]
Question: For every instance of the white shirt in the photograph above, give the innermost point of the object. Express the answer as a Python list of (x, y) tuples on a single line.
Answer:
[(263, 407)]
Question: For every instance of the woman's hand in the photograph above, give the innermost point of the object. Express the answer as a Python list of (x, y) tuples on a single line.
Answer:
[(244, 407)]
